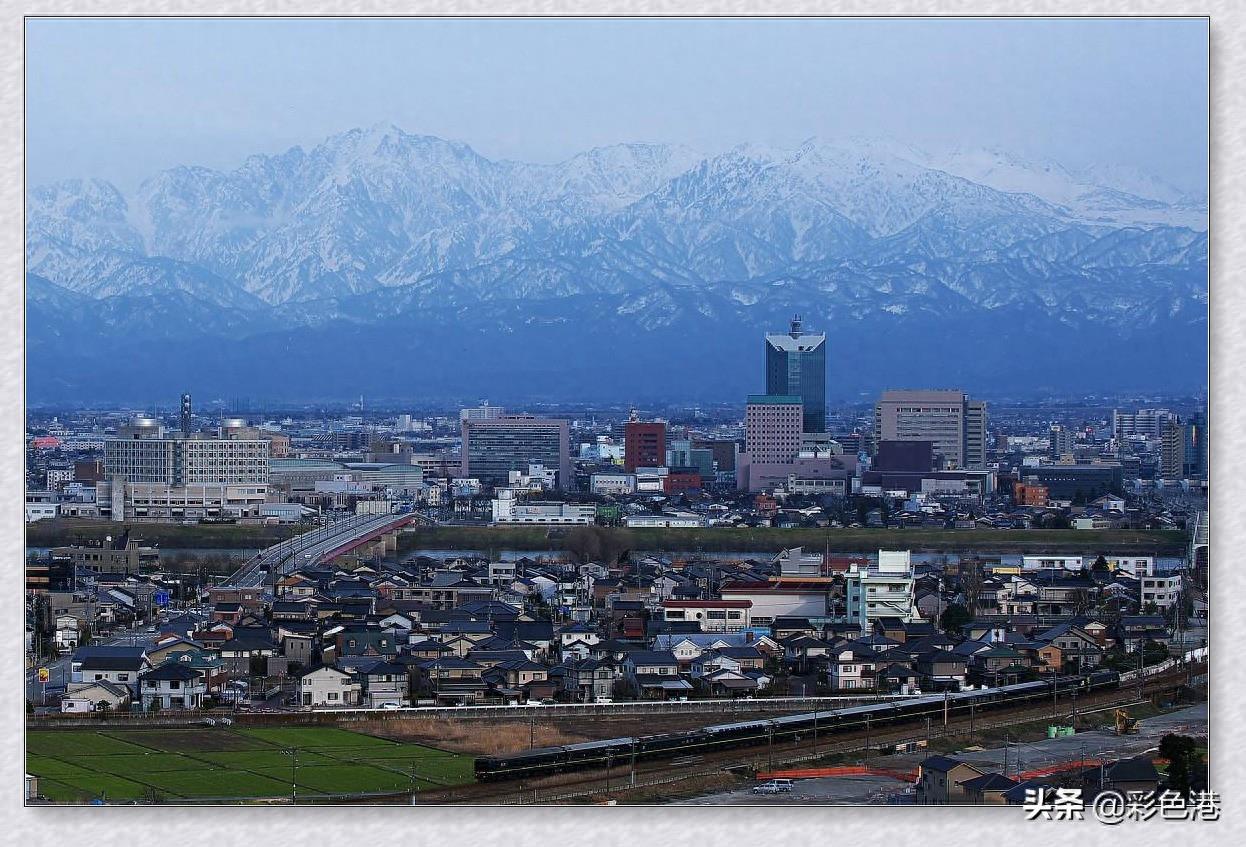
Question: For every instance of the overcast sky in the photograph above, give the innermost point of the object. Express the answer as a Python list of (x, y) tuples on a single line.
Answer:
[(120, 99)]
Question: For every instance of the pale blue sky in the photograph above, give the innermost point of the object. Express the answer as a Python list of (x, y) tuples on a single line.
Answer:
[(120, 99)]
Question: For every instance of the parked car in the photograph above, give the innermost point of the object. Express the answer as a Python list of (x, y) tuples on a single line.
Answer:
[(773, 786)]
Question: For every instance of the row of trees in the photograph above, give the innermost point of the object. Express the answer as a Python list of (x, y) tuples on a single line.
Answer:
[(606, 545)]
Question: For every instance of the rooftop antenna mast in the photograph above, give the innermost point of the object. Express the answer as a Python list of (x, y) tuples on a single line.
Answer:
[(186, 415)]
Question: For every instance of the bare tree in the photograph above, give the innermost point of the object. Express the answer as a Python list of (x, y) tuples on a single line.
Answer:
[(597, 544), (971, 584), (583, 543), (1083, 601)]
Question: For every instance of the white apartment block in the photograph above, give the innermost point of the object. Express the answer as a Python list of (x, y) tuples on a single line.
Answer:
[(1050, 561), (1163, 591), (612, 483), (884, 590), (1133, 565)]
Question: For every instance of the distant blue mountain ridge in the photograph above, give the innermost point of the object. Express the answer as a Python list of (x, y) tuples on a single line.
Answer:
[(399, 265)]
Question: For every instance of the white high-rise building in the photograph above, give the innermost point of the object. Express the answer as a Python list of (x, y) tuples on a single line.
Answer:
[(151, 474), (883, 590), (483, 412)]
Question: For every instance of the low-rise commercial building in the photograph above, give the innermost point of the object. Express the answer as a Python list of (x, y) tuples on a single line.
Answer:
[(508, 509)]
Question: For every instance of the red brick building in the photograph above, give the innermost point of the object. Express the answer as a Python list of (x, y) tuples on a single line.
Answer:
[(1029, 494), (681, 479), (644, 445)]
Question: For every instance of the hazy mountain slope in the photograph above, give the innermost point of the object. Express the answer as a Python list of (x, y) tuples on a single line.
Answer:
[(405, 244)]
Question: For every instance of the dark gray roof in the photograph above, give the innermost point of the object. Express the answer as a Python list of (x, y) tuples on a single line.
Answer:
[(1137, 769), (170, 671), (988, 782), (942, 763)]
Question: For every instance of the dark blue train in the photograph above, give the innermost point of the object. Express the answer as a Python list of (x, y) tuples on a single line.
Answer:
[(614, 751)]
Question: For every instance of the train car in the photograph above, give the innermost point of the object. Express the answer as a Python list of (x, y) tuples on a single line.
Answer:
[(670, 743), (539, 761), (1103, 680), (856, 718), (597, 753), (739, 729), (805, 723)]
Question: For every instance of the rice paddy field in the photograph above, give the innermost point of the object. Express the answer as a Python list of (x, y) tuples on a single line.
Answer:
[(232, 764)]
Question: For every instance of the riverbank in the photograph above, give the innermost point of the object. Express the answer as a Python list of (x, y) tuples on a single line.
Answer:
[(769, 539), (66, 531), (70, 531)]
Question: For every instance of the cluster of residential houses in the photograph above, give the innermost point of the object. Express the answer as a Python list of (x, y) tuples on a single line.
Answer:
[(472, 631), (950, 780)]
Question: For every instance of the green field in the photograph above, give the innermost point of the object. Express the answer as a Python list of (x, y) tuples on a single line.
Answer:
[(232, 764), (771, 539)]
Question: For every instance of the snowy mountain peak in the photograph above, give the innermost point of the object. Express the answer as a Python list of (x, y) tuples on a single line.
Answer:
[(399, 247)]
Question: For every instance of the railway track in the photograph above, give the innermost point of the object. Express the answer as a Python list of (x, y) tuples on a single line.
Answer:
[(625, 776)]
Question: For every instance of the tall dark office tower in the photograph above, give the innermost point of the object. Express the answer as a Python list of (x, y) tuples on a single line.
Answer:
[(796, 366), (186, 416)]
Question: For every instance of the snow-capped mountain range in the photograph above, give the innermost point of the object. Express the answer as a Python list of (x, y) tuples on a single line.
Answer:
[(380, 259)]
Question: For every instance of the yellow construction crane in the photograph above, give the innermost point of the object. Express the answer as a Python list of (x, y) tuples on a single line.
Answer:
[(1124, 723)]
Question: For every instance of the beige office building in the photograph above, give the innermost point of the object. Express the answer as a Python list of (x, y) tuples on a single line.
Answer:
[(954, 423)]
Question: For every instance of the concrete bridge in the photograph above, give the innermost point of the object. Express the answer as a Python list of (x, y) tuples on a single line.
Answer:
[(365, 534)]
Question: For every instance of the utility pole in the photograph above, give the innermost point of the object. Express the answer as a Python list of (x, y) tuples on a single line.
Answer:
[(531, 730), (770, 746), (945, 704), (632, 780), (867, 734), (294, 785)]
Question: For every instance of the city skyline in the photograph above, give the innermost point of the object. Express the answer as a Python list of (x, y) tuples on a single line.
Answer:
[(640, 411)]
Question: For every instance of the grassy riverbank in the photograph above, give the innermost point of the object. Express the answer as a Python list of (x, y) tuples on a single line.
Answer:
[(53, 533), (68, 531), (769, 539)]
